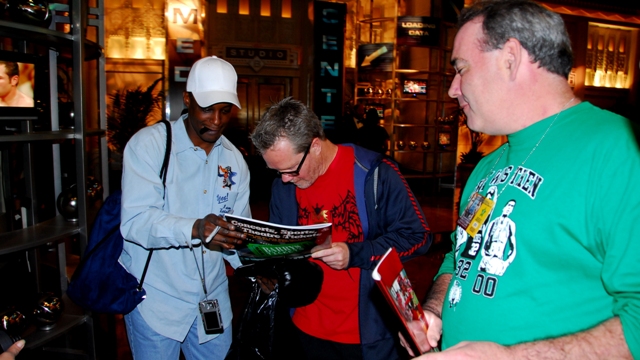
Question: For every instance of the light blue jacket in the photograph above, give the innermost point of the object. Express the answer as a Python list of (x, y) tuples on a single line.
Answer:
[(153, 218)]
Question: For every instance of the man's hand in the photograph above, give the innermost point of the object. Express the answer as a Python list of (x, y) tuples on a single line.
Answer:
[(337, 257), (427, 335), (226, 236), (12, 351)]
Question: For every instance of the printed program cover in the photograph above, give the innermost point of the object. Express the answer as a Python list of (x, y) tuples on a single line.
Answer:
[(392, 280), (268, 240)]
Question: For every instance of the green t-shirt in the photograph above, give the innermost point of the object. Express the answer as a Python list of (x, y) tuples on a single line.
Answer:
[(559, 253)]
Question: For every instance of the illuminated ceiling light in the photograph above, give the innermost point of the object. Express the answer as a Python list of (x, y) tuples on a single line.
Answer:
[(136, 33)]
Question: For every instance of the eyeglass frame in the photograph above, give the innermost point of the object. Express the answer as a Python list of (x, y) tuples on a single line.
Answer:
[(296, 172)]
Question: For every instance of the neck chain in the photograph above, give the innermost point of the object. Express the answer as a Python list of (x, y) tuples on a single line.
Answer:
[(534, 147)]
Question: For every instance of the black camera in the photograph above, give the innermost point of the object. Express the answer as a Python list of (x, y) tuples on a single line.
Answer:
[(211, 318)]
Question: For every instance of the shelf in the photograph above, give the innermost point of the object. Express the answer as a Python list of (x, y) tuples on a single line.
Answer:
[(425, 71), (420, 99), (403, 99), (95, 132), (413, 125), (425, 99), (47, 231), (72, 316), (38, 136), (65, 134), (374, 98), (49, 38), (410, 117), (375, 20), (41, 172)]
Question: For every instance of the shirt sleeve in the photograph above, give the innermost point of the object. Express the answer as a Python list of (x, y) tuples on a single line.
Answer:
[(616, 213), (143, 193), (397, 220)]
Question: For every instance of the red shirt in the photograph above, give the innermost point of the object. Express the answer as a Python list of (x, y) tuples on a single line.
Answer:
[(331, 198)]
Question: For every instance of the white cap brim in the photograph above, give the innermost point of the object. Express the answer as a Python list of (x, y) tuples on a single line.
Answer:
[(208, 98)]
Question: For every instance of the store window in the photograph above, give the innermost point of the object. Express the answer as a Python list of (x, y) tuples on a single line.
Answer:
[(286, 9), (221, 6), (608, 61), (243, 7), (265, 7)]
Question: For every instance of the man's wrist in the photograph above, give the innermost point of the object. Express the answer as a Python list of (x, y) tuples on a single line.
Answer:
[(432, 309)]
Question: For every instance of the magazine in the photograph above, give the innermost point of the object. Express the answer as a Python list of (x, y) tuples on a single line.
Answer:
[(392, 280), (267, 240)]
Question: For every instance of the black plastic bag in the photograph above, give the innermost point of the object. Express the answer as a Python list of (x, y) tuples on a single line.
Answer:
[(266, 331), (254, 339), (299, 280)]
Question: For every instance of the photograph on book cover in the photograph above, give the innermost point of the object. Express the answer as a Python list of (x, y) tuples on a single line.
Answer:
[(394, 284), (267, 240), (405, 298)]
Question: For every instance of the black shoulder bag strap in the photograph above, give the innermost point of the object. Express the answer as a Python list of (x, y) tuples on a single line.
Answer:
[(163, 175)]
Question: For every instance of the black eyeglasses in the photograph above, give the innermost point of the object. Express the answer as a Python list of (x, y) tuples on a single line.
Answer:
[(295, 172)]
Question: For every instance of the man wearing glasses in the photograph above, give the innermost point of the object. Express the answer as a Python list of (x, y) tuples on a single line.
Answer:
[(371, 207)]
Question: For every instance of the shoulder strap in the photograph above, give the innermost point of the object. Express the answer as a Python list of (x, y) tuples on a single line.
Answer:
[(163, 175), (167, 154)]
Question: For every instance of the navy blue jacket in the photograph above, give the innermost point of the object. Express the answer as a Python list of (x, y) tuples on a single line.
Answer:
[(390, 217)]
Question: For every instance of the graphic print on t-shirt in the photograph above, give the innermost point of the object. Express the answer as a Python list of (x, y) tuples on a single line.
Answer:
[(492, 249), (500, 243), (343, 215)]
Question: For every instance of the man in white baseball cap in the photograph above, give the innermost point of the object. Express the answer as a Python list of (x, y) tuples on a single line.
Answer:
[(207, 178)]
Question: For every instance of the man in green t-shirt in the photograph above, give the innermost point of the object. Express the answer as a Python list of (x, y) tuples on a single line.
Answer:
[(545, 264)]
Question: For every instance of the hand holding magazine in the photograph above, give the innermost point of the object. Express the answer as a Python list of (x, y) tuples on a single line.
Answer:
[(267, 240), (392, 280)]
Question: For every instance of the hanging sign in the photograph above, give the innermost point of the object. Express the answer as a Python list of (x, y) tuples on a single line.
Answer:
[(418, 31), (375, 57), (184, 47), (328, 60)]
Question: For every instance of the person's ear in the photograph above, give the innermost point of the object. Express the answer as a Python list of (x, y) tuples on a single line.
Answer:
[(316, 146), (513, 53), (186, 99)]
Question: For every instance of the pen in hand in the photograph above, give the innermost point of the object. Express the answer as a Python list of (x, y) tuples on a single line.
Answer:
[(215, 231)]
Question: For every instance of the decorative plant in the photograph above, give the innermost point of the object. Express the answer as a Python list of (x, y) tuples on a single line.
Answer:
[(474, 155), (130, 111)]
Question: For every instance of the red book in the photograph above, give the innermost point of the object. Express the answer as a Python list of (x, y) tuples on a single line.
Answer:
[(392, 280)]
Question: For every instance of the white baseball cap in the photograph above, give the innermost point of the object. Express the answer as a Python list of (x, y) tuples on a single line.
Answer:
[(213, 80)]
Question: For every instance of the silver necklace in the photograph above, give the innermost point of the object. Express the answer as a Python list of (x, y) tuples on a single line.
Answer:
[(534, 148)]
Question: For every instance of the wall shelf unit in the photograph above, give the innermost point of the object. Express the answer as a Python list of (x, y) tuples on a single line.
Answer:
[(389, 68), (39, 159)]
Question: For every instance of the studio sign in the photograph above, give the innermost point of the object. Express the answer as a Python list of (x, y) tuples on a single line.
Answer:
[(251, 53)]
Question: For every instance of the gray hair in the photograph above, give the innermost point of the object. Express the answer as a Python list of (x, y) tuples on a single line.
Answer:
[(289, 119), (540, 31)]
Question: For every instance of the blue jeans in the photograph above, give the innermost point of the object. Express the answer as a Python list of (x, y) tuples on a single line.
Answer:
[(146, 344)]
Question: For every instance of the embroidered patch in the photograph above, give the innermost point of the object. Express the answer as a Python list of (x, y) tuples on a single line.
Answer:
[(227, 176)]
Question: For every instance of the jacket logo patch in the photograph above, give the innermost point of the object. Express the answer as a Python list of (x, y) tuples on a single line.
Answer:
[(227, 176)]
